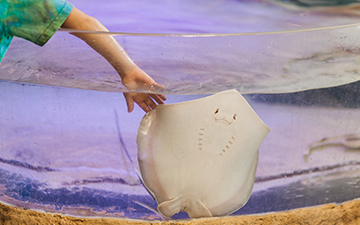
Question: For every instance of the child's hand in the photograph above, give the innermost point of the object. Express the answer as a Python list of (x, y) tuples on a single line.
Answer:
[(138, 79)]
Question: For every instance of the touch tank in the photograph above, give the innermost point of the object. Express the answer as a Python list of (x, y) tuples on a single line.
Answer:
[(68, 144)]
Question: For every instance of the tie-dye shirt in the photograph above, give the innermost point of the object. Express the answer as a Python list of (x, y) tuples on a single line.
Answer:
[(33, 20)]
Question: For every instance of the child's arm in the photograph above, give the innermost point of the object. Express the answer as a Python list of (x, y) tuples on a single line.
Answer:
[(131, 75)]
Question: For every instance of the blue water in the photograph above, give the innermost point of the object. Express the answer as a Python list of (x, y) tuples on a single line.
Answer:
[(63, 114)]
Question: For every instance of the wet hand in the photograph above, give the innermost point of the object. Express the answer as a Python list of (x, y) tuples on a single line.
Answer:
[(137, 79)]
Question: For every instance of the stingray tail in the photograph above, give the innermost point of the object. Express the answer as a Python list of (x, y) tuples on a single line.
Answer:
[(123, 147), (151, 209), (195, 209)]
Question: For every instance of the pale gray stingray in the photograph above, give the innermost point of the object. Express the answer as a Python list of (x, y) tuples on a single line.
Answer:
[(200, 156)]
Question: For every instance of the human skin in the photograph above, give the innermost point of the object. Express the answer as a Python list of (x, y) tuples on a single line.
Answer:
[(131, 75)]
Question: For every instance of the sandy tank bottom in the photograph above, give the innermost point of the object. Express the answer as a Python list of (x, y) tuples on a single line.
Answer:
[(346, 213)]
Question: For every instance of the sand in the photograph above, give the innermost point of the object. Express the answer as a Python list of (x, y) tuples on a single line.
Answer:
[(347, 213)]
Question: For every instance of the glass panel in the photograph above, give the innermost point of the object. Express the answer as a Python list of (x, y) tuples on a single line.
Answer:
[(65, 132)]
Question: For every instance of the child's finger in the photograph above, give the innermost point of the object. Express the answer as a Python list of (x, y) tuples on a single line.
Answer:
[(163, 97), (129, 102), (144, 106), (151, 103), (158, 98)]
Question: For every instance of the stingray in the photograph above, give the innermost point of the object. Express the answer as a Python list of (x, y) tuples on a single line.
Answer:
[(200, 156), (349, 141)]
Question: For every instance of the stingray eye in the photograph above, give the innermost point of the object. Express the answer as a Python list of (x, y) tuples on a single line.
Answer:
[(234, 116), (216, 111)]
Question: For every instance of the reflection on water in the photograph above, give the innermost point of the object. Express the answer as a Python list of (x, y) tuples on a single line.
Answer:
[(323, 52), (60, 148)]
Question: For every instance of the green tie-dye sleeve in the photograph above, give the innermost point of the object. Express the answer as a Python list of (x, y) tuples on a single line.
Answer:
[(33, 20)]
